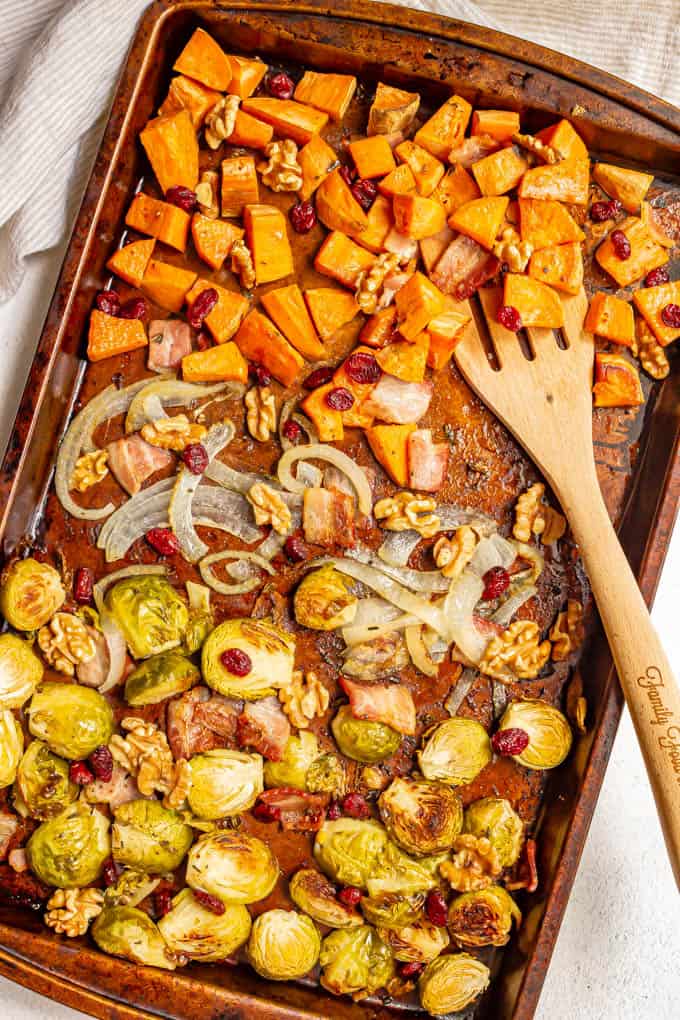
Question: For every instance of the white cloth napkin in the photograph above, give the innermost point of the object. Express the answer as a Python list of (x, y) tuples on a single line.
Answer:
[(59, 62)]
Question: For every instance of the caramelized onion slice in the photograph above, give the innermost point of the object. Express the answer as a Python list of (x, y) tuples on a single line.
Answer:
[(165, 392), (192, 547), (240, 587), (321, 451)]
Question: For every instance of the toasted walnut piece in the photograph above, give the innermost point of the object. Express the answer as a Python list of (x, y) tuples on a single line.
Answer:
[(260, 412), (305, 699), (90, 468), (173, 433), (407, 512), (509, 248), (207, 192), (567, 631), (219, 123), (242, 263), (452, 555), (529, 519), (370, 293), (181, 787), (650, 352), (65, 642), (554, 525), (269, 507), (546, 153), (516, 653), (145, 753), (282, 172), (474, 864), (69, 911)]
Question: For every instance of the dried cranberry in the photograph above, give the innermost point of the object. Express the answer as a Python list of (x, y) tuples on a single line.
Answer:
[(163, 541), (411, 970), (79, 773), (356, 806), (510, 318), (202, 306), (237, 662), (362, 367), (291, 430), (110, 872), (266, 812), (182, 197), (107, 301), (510, 742), (136, 308), (347, 175), (620, 244), (349, 895), (259, 374), (211, 903), (101, 763), (83, 583), (334, 811), (296, 550), (203, 340), (195, 456), (601, 211), (280, 85), (339, 399), (319, 377), (302, 216), (496, 581), (657, 276), (365, 191), (162, 902), (436, 908), (671, 316)]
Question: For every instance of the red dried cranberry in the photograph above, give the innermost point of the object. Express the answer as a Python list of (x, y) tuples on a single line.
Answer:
[(182, 197), (202, 306), (163, 541), (266, 812), (107, 301), (211, 903), (259, 374), (334, 811), (79, 773), (365, 191), (296, 550), (362, 367), (339, 399), (356, 806), (162, 902), (510, 318), (110, 872), (347, 175), (349, 895), (83, 583), (411, 970), (496, 581), (101, 763), (237, 662), (620, 244), (319, 377), (291, 430), (601, 211), (203, 340), (195, 456), (510, 742), (436, 908), (136, 308), (302, 216), (671, 316), (280, 85), (657, 276)]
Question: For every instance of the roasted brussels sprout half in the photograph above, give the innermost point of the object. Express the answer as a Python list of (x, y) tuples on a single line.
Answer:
[(355, 961), (130, 933), (130, 888), (149, 837), (495, 819), (348, 850), (201, 620), (362, 740), (452, 982), (422, 817), (299, 753), (235, 867), (269, 654), (69, 850), (548, 731), (455, 751), (11, 747), (327, 774), (313, 893), (390, 910), (20, 671), (43, 788), (71, 719), (420, 942), (323, 600), (483, 918), (150, 613), (283, 945), (191, 930), (160, 677), (30, 594), (397, 872), (224, 783)]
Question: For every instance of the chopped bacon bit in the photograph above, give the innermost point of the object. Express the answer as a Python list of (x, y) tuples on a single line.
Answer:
[(294, 809), (463, 267), (527, 871), (396, 402), (328, 517), (201, 721), (427, 461), (391, 704), (132, 460), (264, 725), (169, 342)]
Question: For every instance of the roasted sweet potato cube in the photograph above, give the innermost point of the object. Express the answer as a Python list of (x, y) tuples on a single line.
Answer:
[(544, 223), (399, 182), (167, 285), (250, 132), (480, 219), (287, 308), (330, 309), (239, 185), (246, 75), (628, 186), (561, 266), (537, 303), (427, 170), (162, 220), (617, 382), (432, 248), (213, 238), (259, 340), (654, 226), (500, 172), (331, 93), (456, 188), (171, 146), (337, 208), (328, 421), (392, 110), (342, 259), (645, 254), (500, 124), (226, 316), (612, 318), (267, 238), (563, 182), (651, 301), (186, 94), (389, 446), (380, 222), (379, 327), (204, 60), (404, 359), (418, 217), (418, 302), (109, 335), (289, 118), (316, 160), (130, 261), (446, 128), (224, 362), (372, 156), (446, 331), (564, 137)]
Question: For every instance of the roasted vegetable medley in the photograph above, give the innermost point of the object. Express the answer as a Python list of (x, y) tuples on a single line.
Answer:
[(295, 703)]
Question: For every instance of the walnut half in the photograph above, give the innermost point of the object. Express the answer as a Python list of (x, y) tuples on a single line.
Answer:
[(474, 864), (405, 512), (269, 507), (260, 412), (567, 631), (452, 555), (516, 653), (66, 642), (305, 698), (282, 172), (69, 911)]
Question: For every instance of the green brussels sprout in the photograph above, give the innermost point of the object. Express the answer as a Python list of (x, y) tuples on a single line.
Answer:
[(348, 850), (43, 787), (362, 740), (313, 893), (69, 850), (30, 594), (355, 961), (548, 730), (390, 910), (11, 747), (327, 775), (198, 628), (130, 933), (455, 751), (130, 888), (299, 753), (160, 677), (150, 613), (71, 719), (149, 837), (271, 652), (396, 872), (323, 600), (283, 945), (224, 783), (421, 817), (420, 942), (235, 867), (20, 671), (452, 982), (495, 819), (191, 930), (483, 918)]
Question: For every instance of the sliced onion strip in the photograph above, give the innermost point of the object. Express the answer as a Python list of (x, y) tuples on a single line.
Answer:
[(505, 613), (117, 649), (192, 547), (321, 451), (166, 392), (464, 594), (241, 587), (418, 652)]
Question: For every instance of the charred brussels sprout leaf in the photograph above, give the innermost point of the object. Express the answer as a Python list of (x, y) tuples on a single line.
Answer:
[(150, 613), (191, 930), (130, 933), (326, 774), (224, 783), (362, 740), (483, 918), (450, 983), (30, 594), (355, 962), (130, 888), (69, 850), (422, 817), (313, 893), (389, 910), (348, 850), (420, 942), (149, 837), (160, 677), (455, 751), (269, 650), (299, 753), (42, 787), (323, 600), (71, 719), (11, 747), (283, 945), (548, 730), (235, 867), (495, 819), (20, 671)]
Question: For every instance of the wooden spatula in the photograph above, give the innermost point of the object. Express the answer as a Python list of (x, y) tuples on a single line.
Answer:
[(547, 404)]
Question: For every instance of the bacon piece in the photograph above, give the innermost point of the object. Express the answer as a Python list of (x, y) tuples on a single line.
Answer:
[(8, 826), (294, 809), (21, 890), (463, 267), (169, 341), (93, 673), (328, 517), (526, 874), (18, 860), (200, 721), (264, 725), (399, 244), (427, 461), (132, 461), (391, 704), (393, 283), (472, 149), (396, 402), (120, 789)]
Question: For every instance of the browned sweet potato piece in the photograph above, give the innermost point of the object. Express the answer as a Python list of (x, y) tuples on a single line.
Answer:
[(246, 75), (389, 446), (378, 329), (417, 217), (392, 110), (250, 132), (651, 301), (172, 149), (355, 417), (456, 188), (239, 185), (215, 364), (167, 285), (445, 332), (288, 118), (109, 335), (204, 60), (561, 266), (563, 137), (545, 222), (418, 302), (499, 172), (341, 259), (628, 186), (226, 316), (331, 93), (372, 156), (259, 340), (617, 383), (186, 94), (645, 254), (405, 359), (612, 318), (537, 303), (500, 124), (380, 222), (328, 421), (399, 182), (480, 219), (427, 170), (330, 309), (336, 206), (213, 238), (130, 261), (268, 241), (287, 308), (563, 182), (162, 220), (316, 159), (445, 128)]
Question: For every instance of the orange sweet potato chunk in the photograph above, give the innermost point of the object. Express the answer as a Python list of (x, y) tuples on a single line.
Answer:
[(267, 238), (331, 93), (418, 302), (563, 182), (372, 156), (337, 208), (239, 185), (213, 238), (109, 335), (380, 223), (342, 259), (224, 362), (287, 308), (480, 219), (651, 301), (226, 316), (446, 331), (564, 137), (316, 160), (612, 318), (399, 182), (561, 266), (171, 146), (392, 110), (628, 186), (389, 446), (162, 220), (328, 422), (645, 254), (653, 225), (289, 118), (186, 94), (417, 217), (167, 285), (404, 359), (546, 223), (246, 75), (427, 170), (499, 172), (204, 60), (499, 124), (130, 261), (432, 248), (536, 302), (617, 382), (446, 128), (259, 340), (457, 188), (379, 327), (330, 309), (250, 132)]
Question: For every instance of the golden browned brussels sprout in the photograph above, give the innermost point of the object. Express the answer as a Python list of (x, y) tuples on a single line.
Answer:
[(420, 942), (495, 819), (224, 783), (327, 774), (348, 850), (389, 910), (259, 654), (399, 873), (355, 961), (450, 983), (362, 740), (422, 817), (130, 933), (283, 945), (11, 747), (71, 719), (160, 677), (30, 594), (150, 613), (191, 930), (299, 753), (201, 620), (455, 751), (323, 600), (235, 867), (43, 788), (548, 731), (69, 850), (483, 918), (20, 671), (312, 892), (149, 837), (130, 888)]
